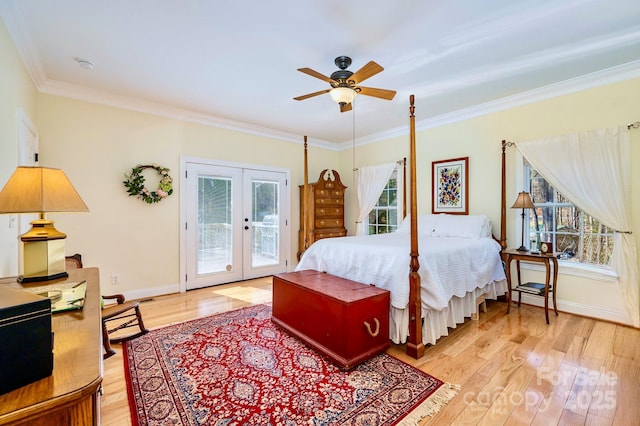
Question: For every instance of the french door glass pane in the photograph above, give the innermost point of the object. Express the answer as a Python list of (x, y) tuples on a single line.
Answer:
[(266, 225), (215, 242)]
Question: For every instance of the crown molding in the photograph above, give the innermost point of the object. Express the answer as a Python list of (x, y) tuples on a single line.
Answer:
[(589, 81), (17, 29), (12, 17), (578, 84), (155, 108)]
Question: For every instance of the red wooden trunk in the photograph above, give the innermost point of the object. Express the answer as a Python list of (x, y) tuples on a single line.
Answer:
[(331, 314)]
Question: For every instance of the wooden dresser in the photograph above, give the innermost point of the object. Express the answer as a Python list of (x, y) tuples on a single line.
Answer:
[(70, 395), (325, 203)]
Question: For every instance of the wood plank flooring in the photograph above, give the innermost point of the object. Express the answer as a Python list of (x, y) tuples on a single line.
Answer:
[(513, 369)]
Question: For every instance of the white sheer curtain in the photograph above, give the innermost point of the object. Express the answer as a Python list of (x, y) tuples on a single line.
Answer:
[(371, 182), (592, 169)]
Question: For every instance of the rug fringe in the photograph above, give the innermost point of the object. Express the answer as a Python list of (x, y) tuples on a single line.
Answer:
[(432, 405)]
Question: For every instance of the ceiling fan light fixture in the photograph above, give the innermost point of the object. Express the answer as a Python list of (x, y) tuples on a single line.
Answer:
[(342, 95), (345, 84)]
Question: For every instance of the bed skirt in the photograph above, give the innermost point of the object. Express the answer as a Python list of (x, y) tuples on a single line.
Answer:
[(436, 324)]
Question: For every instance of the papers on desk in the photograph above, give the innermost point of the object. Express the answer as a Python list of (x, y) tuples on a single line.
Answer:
[(64, 297)]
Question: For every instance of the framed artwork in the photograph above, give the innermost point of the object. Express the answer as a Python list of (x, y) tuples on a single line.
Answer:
[(450, 192)]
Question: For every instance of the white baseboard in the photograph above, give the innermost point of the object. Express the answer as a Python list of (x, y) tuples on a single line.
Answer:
[(578, 309), (563, 305), (146, 293)]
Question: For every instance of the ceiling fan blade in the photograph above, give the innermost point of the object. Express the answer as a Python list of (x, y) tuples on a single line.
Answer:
[(345, 107), (369, 70), (311, 95), (378, 93), (316, 74)]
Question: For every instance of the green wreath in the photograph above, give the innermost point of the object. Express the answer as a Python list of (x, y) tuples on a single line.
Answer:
[(135, 184)]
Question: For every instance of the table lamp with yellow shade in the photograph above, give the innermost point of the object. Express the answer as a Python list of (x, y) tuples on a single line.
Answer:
[(41, 190)]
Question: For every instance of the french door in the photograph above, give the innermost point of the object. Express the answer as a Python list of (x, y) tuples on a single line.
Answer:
[(236, 223)]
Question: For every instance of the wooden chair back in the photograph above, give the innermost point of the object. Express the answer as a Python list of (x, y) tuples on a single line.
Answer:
[(116, 317)]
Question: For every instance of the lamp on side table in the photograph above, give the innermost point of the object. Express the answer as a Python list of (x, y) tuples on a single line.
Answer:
[(523, 202)]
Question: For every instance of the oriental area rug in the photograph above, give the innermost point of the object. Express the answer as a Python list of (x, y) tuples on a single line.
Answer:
[(238, 368)]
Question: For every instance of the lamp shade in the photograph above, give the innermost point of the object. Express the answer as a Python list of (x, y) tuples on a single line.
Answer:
[(40, 190), (342, 95), (523, 201)]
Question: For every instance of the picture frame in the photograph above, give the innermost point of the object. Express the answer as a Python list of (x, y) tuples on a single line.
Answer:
[(450, 186)]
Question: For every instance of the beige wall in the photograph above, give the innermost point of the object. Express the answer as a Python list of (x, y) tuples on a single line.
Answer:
[(140, 242), (17, 91), (479, 139)]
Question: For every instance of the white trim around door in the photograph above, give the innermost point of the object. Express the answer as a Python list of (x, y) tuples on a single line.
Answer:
[(234, 220)]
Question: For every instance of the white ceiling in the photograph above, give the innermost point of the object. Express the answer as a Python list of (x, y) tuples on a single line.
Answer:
[(234, 63)]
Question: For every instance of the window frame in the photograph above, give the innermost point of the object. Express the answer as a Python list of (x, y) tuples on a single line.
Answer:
[(398, 206)]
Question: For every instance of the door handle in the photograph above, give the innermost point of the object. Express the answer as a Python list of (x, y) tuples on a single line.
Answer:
[(246, 227)]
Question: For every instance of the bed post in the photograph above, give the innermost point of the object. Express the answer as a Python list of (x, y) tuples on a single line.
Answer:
[(305, 207), (404, 187), (503, 200), (415, 347)]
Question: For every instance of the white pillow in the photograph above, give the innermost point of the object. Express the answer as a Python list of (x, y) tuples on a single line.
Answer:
[(426, 224), (487, 229), (405, 226), (462, 226)]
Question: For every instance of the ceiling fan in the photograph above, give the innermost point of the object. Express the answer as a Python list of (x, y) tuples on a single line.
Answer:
[(345, 84)]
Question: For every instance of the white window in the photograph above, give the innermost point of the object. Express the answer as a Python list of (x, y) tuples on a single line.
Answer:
[(385, 214), (575, 235)]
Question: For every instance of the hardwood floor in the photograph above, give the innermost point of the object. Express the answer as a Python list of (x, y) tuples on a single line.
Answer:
[(513, 369)]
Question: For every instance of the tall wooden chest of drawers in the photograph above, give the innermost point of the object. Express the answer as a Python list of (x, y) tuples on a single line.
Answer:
[(325, 204)]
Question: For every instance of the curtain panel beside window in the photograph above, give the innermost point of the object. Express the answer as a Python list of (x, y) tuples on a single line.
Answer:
[(371, 182), (592, 169)]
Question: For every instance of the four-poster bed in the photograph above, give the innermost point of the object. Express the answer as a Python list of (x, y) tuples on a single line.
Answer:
[(460, 265)]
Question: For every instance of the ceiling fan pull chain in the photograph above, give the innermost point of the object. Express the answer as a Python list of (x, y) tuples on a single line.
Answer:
[(354, 137)]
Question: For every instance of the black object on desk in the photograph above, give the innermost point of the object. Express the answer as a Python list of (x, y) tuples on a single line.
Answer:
[(26, 341)]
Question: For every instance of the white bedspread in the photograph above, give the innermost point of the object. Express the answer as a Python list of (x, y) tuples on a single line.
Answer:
[(448, 266)]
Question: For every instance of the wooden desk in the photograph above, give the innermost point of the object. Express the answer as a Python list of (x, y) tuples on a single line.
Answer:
[(538, 289), (70, 395)]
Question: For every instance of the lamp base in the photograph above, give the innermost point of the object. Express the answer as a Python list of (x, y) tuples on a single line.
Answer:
[(34, 279), (522, 248), (42, 253), (42, 230)]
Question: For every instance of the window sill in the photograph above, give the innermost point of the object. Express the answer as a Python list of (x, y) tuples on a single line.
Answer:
[(582, 270)]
